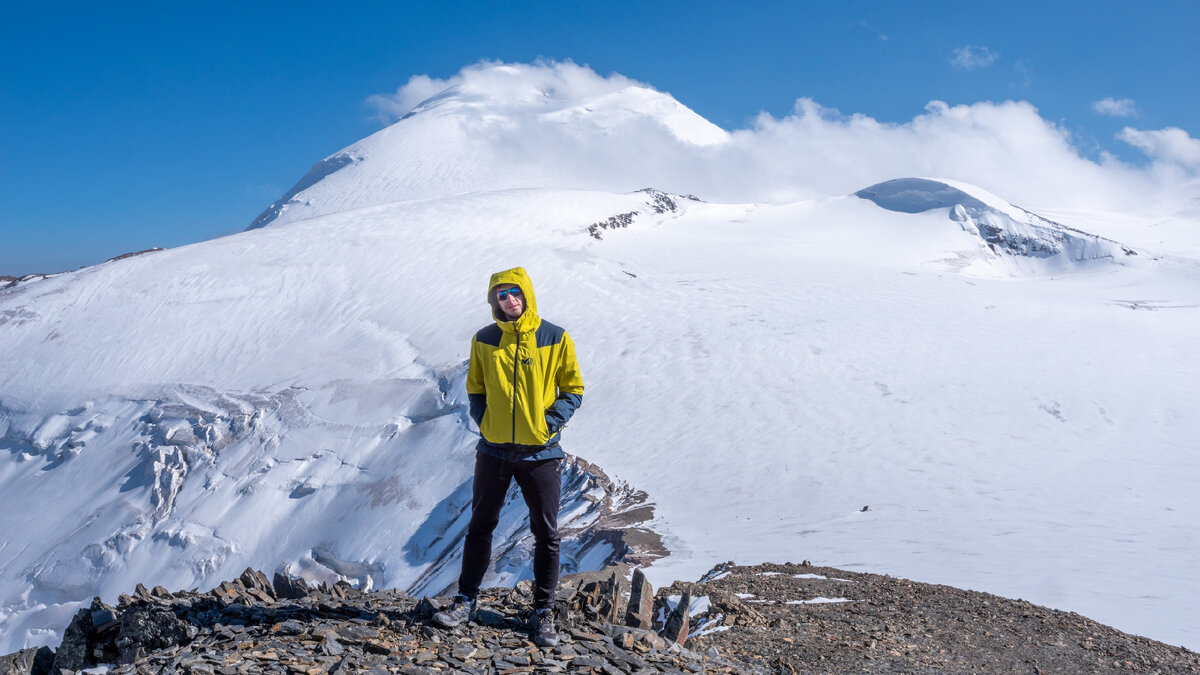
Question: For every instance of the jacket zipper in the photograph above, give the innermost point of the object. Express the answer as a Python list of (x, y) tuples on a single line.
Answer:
[(516, 362)]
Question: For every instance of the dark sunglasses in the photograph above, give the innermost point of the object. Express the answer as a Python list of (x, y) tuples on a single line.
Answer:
[(500, 295)]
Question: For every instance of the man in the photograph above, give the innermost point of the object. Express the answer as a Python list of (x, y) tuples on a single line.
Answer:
[(523, 384)]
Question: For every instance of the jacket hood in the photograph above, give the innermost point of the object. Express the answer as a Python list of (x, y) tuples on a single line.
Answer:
[(517, 275)]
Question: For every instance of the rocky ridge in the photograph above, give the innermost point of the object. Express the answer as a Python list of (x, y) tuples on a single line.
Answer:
[(252, 625), (770, 618), (657, 201), (788, 618)]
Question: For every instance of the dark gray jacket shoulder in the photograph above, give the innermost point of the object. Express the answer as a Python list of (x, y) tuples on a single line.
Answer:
[(489, 335), (549, 334)]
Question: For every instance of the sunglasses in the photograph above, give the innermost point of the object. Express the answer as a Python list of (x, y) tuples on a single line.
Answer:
[(500, 295)]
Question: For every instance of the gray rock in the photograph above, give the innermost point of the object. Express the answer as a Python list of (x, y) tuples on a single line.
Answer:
[(518, 659), (232, 630), (293, 627), (75, 652), (357, 633), (253, 579), (149, 628), (288, 588), (588, 661), (331, 646), (464, 651), (640, 612), (32, 661), (426, 609), (104, 620), (676, 627)]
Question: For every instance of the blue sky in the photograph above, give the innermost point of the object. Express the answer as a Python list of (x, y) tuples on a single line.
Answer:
[(127, 125)]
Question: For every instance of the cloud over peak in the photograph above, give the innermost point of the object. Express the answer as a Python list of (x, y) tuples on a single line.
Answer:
[(542, 83), (547, 134)]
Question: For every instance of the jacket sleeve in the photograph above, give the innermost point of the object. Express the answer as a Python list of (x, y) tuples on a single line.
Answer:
[(476, 391), (570, 388)]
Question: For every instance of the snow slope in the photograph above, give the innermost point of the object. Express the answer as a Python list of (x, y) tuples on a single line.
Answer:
[(512, 126), (1010, 237), (292, 395)]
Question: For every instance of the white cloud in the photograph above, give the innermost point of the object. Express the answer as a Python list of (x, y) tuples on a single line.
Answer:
[(496, 81), (969, 57), (1166, 146), (1112, 107), (1007, 148), (417, 89)]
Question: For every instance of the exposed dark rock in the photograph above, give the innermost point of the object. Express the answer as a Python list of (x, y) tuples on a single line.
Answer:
[(1036, 237), (7, 281), (659, 202), (255, 580), (318, 171), (676, 627), (614, 222), (103, 620), (640, 612), (798, 618), (760, 619), (134, 253), (287, 588), (32, 661), (75, 652), (339, 629), (597, 599)]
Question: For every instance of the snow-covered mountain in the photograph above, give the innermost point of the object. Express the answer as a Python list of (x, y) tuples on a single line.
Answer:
[(1010, 238), (922, 380), (514, 127)]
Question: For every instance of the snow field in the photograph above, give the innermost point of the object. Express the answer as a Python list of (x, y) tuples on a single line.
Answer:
[(762, 371)]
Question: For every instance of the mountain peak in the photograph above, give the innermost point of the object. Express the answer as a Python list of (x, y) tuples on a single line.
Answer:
[(1004, 230), (500, 126)]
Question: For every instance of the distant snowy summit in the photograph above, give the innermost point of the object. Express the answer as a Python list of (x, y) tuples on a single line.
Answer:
[(1004, 229), (517, 126), (504, 127)]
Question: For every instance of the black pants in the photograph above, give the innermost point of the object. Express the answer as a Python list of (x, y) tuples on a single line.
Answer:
[(540, 484)]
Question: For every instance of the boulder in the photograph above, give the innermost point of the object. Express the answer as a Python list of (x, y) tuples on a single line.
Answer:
[(79, 645), (254, 580), (32, 661), (640, 612), (676, 627), (289, 588), (148, 628)]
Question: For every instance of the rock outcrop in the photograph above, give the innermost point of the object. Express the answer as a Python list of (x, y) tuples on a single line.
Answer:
[(771, 618), (250, 625)]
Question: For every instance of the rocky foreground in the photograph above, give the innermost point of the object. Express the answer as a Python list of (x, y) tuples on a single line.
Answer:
[(761, 619)]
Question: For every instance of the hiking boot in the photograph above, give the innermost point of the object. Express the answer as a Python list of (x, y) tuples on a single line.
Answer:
[(541, 626), (461, 609)]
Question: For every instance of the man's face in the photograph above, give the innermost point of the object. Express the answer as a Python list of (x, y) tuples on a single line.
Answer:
[(510, 299)]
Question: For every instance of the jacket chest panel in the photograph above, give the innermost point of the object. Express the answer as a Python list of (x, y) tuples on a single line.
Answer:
[(518, 361)]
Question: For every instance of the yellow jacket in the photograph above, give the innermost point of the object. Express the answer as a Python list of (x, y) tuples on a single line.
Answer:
[(523, 380)]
